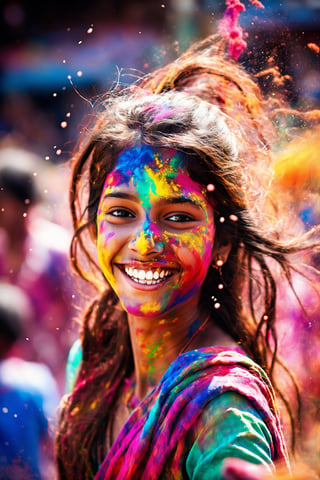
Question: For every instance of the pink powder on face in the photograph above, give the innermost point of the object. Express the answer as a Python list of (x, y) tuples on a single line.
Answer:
[(188, 185), (156, 178)]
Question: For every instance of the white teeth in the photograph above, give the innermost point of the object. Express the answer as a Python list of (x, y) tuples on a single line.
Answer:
[(142, 275), (147, 277)]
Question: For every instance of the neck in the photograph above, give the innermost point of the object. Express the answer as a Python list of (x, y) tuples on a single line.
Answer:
[(157, 342)]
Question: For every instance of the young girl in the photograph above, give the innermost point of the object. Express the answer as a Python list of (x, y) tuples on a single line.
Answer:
[(169, 199)]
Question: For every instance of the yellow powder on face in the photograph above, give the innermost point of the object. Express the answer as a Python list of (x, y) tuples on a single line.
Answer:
[(150, 307), (162, 187), (191, 239), (142, 244)]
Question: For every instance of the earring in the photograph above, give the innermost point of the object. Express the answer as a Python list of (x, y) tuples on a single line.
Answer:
[(218, 264), (216, 304)]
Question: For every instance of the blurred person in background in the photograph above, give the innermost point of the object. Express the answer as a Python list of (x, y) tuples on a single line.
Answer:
[(28, 397), (34, 256), (297, 183)]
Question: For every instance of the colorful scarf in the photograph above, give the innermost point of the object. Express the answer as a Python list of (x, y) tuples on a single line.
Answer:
[(153, 440)]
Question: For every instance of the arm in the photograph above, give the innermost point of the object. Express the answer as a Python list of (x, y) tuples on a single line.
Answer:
[(228, 428)]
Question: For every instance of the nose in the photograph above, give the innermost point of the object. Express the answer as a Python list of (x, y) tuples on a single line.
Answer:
[(146, 240)]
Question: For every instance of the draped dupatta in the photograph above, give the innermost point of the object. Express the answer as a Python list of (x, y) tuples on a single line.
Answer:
[(153, 440)]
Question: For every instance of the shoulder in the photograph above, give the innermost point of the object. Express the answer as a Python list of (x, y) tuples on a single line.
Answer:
[(205, 374), (226, 366), (229, 426), (239, 414), (236, 409), (227, 369)]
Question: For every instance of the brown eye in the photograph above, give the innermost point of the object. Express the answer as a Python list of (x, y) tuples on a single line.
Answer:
[(121, 213), (179, 218)]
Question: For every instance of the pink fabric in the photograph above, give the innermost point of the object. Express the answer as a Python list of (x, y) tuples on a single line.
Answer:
[(153, 440)]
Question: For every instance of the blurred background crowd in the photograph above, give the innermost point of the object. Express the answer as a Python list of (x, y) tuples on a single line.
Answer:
[(54, 60)]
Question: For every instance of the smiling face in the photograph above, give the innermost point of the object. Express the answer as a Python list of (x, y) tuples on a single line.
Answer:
[(155, 232)]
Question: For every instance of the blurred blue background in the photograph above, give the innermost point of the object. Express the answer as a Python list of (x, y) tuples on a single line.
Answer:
[(56, 56)]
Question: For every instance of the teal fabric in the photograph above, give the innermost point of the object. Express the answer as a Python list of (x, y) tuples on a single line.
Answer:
[(176, 433), (231, 423), (73, 365), (229, 427)]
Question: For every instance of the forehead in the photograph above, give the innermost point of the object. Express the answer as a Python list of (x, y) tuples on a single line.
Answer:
[(154, 173), (153, 166), (137, 160)]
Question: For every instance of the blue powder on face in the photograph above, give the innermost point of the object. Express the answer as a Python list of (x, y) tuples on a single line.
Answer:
[(134, 160)]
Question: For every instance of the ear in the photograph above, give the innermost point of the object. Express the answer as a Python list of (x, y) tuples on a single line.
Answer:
[(220, 254)]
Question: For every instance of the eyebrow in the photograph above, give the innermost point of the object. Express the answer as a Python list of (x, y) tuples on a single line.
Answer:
[(171, 200), (126, 196)]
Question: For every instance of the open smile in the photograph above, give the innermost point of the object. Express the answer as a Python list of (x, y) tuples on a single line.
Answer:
[(150, 276)]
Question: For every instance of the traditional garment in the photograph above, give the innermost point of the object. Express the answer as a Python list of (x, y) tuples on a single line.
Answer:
[(162, 437)]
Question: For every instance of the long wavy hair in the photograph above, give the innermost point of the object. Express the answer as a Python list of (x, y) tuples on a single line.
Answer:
[(208, 107)]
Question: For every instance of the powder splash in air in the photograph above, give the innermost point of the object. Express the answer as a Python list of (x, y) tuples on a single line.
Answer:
[(314, 47), (230, 29)]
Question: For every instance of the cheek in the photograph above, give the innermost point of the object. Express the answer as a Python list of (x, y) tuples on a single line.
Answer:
[(106, 244), (194, 249), (187, 257)]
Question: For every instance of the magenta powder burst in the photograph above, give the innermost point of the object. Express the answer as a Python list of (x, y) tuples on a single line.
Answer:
[(230, 29)]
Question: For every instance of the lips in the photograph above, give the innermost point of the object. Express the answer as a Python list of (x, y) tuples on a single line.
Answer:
[(147, 276)]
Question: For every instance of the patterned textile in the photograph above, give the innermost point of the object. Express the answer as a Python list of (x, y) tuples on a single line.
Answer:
[(155, 441)]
